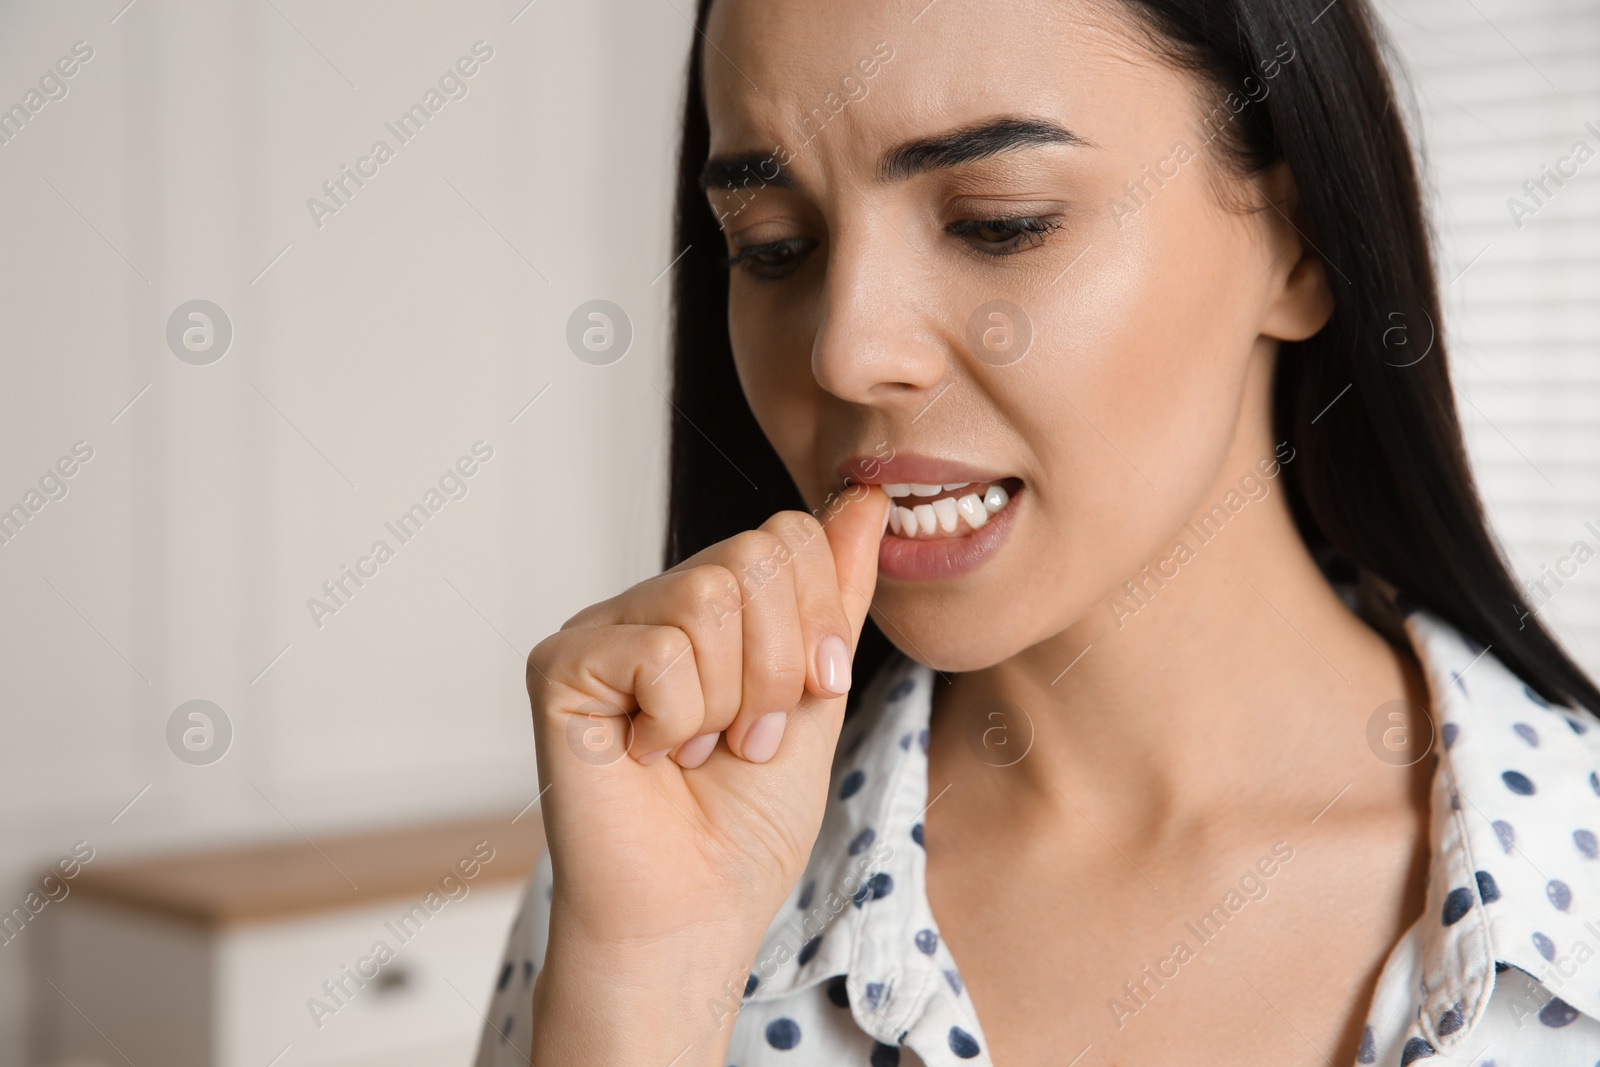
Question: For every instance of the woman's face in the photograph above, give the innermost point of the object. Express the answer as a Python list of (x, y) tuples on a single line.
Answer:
[(986, 243)]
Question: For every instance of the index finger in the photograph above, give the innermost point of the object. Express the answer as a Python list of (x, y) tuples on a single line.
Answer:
[(855, 530)]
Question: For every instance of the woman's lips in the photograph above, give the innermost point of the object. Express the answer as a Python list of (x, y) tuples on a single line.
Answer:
[(945, 518), (908, 468), (941, 554)]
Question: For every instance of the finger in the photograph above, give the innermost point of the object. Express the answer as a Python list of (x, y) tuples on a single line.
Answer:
[(703, 600), (615, 670), (855, 530), (705, 603), (774, 658), (825, 632), (695, 751)]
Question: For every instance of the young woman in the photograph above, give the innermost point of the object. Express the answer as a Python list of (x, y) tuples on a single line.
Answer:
[(1197, 720)]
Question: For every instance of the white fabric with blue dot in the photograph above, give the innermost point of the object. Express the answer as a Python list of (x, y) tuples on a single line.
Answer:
[(1502, 969)]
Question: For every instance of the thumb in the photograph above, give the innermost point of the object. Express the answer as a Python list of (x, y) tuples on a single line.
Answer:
[(854, 533)]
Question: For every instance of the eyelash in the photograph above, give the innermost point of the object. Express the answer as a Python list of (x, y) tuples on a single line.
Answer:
[(1021, 233), (749, 259), (1024, 232)]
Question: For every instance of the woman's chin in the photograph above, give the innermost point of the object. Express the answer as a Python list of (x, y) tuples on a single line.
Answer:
[(947, 649)]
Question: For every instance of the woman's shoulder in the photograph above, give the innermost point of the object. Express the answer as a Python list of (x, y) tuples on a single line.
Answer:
[(1514, 880), (1469, 681)]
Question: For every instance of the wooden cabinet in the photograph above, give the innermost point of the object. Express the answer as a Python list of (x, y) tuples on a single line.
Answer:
[(379, 948)]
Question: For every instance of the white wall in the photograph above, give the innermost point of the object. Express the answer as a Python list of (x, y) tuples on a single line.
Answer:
[(411, 324)]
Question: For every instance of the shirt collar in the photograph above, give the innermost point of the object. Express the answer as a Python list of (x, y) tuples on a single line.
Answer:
[(1515, 815), (1514, 877), (860, 909)]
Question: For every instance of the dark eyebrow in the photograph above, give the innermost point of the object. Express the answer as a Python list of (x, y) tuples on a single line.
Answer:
[(966, 145), (971, 143)]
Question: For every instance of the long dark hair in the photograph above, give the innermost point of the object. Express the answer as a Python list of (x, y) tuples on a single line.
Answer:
[(1381, 479)]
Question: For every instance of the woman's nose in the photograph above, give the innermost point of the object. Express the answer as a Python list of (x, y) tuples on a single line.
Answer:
[(882, 333)]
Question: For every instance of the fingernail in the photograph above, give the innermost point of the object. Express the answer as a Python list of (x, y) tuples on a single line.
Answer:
[(761, 740), (650, 757), (695, 751), (833, 665)]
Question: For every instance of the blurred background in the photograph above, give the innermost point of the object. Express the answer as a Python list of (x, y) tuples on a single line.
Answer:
[(242, 745)]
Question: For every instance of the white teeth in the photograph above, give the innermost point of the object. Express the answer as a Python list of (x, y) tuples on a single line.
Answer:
[(955, 485), (947, 514), (972, 510)]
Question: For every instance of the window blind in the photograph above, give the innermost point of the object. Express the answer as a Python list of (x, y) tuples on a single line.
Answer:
[(1507, 116)]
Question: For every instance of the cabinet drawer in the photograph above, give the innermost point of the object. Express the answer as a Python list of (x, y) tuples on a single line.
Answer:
[(166, 992), (425, 1002)]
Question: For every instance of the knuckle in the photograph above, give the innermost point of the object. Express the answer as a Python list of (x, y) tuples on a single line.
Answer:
[(762, 557), (664, 646), (593, 615), (713, 589), (795, 527), (754, 543), (825, 614), (782, 675), (542, 655), (541, 664)]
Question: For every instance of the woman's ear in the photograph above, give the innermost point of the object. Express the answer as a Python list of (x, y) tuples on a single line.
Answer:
[(1302, 301)]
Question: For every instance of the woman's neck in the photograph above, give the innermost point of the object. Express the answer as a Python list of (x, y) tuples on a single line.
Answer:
[(1233, 678)]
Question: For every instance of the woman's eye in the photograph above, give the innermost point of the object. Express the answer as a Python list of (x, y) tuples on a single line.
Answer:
[(1003, 237), (774, 259)]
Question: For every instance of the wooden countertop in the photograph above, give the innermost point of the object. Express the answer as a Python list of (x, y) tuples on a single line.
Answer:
[(223, 887)]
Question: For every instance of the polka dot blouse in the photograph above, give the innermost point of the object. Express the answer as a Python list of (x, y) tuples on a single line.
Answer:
[(1502, 969)]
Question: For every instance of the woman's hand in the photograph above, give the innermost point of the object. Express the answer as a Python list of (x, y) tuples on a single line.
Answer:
[(685, 732)]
